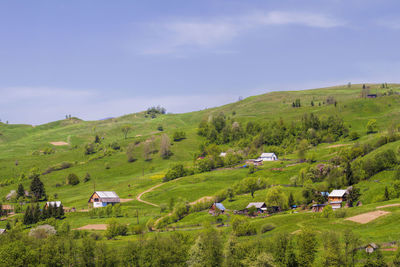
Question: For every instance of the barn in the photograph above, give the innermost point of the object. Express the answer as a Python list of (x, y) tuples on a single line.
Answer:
[(103, 198), (268, 157)]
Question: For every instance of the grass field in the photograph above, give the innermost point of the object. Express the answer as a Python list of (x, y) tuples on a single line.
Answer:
[(22, 146)]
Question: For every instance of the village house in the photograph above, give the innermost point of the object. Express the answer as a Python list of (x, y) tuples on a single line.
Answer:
[(318, 207), (336, 198), (260, 206), (216, 208), (255, 162), (55, 204), (103, 198), (268, 157), (8, 208)]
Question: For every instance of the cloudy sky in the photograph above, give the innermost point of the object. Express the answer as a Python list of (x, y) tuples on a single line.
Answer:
[(97, 59)]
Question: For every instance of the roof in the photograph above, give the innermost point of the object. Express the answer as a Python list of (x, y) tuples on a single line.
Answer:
[(54, 203), (337, 193), (267, 155), (319, 205), (2, 231), (258, 205), (107, 196), (325, 194), (223, 154), (336, 202), (220, 206), (372, 245)]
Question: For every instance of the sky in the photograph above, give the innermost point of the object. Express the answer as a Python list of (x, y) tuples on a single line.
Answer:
[(99, 59)]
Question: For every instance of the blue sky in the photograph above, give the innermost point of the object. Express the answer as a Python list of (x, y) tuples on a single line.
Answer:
[(96, 59)]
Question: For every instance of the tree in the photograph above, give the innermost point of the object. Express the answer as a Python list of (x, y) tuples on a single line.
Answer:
[(207, 249), (72, 179), (332, 253), (302, 149), (147, 151), (291, 201), (279, 248), (352, 196), (37, 188), (129, 152), (276, 197), (372, 126), (232, 252), (307, 247), (126, 129), (386, 194), (251, 184), (20, 191), (230, 193), (179, 135), (327, 211), (165, 147), (351, 244)]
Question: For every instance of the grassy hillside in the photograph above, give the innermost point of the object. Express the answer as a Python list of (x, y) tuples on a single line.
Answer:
[(24, 148)]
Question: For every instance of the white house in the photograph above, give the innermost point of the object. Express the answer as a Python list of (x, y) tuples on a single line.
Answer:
[(268, 157), (103, 198)]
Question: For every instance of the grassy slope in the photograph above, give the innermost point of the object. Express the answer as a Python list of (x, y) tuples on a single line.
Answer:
[(17, 142)]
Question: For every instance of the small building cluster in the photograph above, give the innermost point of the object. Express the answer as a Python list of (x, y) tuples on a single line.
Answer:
[(336, 198)]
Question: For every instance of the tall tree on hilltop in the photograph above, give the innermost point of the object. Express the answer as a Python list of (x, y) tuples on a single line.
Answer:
[(20, 191)]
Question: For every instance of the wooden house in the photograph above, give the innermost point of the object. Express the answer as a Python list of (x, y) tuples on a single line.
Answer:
[(318, 207), (268, 157), (216, 208), (371, 248), (7, 207), (103, 198), (260, 206), (336, 198), (56, 204)]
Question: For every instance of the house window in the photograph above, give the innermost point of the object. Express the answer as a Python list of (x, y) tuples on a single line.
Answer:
[(96, 200)]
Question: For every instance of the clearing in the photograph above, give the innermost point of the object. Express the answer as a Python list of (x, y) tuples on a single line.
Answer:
[(93, 227), (367, 217), (59, 143), (123, 200)]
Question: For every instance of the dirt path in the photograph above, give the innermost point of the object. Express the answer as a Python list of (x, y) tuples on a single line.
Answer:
[(93, 227), (138, 197), (123, 200), (59, 143), (368, 217), (387, 206), (207, 198), (338, 145)]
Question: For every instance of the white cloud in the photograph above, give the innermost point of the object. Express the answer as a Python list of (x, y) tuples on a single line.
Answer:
[(390, 23), (174, 36), (298, 18)]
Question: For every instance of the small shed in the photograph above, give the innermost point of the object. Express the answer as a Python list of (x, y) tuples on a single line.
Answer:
[(55, 204), (2, 231), (103, 198), (222, 154), (268, 157), (318, 207), (371, 247), (216, 207), (260, 206)]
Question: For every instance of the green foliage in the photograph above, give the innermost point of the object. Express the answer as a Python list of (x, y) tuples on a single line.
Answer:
[(354, 136), (242, 227), (276, 197), (126, 129), (327, 212), (72, 179), (179, 135), (37, 188), (115, 229), (307, 247), (372, 126), (267, 227)]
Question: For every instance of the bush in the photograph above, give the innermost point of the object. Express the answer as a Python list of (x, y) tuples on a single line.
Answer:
[(89, 149), (242, 227), (160, 128), (107, 165), (176, 171), (72, 179), (179, 135), (138, 229), (87, 178), (354, 136), (115, 146), (267, 227), (42, 231)]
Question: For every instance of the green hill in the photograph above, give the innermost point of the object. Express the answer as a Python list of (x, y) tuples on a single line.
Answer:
[(59, 148)]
